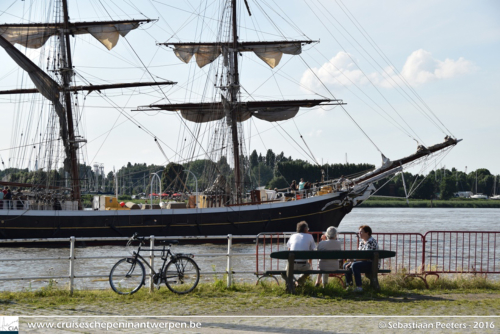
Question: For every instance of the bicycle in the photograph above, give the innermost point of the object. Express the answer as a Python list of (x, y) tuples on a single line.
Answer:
[(181, 274)]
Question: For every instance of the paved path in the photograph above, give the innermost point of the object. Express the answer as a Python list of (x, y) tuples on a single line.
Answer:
[(260, 320), (248, 325)]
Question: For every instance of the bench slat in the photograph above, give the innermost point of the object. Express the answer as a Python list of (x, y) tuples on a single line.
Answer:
[(312, 272), (338, 254)]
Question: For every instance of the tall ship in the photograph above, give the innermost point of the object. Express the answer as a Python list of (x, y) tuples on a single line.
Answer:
[(214, 116)]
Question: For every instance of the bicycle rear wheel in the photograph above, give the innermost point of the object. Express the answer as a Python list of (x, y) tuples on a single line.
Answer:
[(181, 275), (127, 276)]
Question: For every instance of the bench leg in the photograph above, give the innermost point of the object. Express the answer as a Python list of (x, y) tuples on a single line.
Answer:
[(374, 274), (290, 285)]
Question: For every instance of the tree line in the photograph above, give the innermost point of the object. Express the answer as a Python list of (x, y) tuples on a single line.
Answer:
[(270, 170), (441, 183)]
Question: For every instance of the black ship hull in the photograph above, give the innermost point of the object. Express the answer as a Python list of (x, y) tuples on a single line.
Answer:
[(319, 211)]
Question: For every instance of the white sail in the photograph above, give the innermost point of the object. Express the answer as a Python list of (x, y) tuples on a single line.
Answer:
[(276, 114), (202, 115), (265, 114), (34, 36), (270, 111), (206, 53)]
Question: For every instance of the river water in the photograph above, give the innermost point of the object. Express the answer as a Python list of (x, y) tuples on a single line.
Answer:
[(400, 220), (421, 220)]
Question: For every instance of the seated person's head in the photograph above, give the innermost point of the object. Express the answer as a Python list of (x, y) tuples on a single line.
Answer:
[(302, 227), (367, 229), (331, 233)]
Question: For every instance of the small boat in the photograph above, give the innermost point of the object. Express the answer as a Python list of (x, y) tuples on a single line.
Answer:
[(478, 195), (495, 196)]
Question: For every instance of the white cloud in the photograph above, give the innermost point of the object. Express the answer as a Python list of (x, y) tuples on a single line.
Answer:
[(420, 67), (340, 70), (315, 133)]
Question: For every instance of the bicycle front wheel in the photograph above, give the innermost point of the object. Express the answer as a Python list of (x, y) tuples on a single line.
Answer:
[(127, 276), (181, 275)]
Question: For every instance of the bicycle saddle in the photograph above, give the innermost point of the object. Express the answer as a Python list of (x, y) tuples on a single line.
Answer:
[(168, 242)]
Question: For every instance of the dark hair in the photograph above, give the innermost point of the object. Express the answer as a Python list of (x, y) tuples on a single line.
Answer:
[(302, 226), (367, 229)]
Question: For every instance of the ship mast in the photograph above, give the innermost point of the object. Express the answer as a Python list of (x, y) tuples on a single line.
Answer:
[(35, 35), (67, 72), (231, 107), (234, 91)]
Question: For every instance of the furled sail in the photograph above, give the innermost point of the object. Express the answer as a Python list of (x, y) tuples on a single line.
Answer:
[(271, 111), (34, 36), (45, 85), (205, 53)]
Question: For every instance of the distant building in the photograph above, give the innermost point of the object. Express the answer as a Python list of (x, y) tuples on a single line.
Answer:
[(464, 194)]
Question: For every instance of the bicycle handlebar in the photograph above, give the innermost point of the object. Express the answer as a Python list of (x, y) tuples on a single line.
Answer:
[(142, 240)]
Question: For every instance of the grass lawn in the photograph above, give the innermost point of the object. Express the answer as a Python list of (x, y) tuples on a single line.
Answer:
[(398, 296)]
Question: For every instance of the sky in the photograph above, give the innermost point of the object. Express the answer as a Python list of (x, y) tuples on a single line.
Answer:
[(409, 72)]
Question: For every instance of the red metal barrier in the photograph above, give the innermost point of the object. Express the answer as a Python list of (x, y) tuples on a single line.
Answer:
[(449, 252), (417, 255), (409, 248)]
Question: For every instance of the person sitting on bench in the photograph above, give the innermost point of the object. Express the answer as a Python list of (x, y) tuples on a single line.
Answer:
[(329, 242), (359, 266), (301, 241)]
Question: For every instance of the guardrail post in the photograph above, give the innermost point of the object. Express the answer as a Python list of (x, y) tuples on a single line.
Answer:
[(71, 264), (151, 262), (229, 262)]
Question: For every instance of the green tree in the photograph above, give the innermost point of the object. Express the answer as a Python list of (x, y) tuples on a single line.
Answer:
[(223, 167), (278, 182), (426, 188), (254, 159), (262, 174), (270, 158), (173, 177), (281, 157), (447, 187)]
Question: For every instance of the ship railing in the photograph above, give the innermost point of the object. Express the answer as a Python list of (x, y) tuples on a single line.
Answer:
[(15, 204), (305, 193), (74, 260)]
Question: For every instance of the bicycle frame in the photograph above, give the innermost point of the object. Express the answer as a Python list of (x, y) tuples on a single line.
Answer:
[(167, 255), (165, 258), (179, 272)]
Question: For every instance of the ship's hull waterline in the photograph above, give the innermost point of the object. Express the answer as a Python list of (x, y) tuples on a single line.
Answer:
[(319, 211)]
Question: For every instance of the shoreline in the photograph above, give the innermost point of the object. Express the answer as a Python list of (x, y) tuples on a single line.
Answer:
[(413, 203)]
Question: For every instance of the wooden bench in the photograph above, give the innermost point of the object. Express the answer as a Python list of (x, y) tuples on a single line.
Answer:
[(291, 256)]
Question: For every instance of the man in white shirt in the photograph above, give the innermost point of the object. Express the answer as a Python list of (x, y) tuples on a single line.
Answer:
[(302, 241)]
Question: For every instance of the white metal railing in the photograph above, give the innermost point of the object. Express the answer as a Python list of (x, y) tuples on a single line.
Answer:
[(18, 204), (15, 204), (72, 258)]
